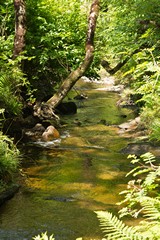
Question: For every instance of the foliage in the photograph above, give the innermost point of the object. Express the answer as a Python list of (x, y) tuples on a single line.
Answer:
[(12, 78), (43, 237), (137, 189), (55, 45), (6, 18), (9, 160), (116, 229), (56, 35), (134, 27), (142, 199)]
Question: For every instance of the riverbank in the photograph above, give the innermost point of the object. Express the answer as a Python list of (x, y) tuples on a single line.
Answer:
[(7, 193)]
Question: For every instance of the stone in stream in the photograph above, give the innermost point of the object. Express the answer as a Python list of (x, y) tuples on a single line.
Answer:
[(61, 199), (50, 134), (8, 193), (130, 125), (141, 148)]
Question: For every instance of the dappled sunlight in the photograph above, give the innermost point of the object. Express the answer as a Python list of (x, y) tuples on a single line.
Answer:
[(96, 85), (110, 175), (75, 141), (66, 183)]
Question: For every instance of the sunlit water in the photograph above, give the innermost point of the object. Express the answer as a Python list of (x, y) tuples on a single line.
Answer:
[(70, 178)]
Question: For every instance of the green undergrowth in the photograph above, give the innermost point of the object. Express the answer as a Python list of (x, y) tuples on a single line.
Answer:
[(9, 161), (131, 31)]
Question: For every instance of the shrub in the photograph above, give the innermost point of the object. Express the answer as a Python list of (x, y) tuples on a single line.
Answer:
[(9, 159)]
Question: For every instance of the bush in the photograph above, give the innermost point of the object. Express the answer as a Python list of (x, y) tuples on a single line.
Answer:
[(12, 77), (9, 159)]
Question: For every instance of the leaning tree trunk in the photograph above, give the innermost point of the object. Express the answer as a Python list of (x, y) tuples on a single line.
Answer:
[(79, 72), (20, 27), (75, 75)]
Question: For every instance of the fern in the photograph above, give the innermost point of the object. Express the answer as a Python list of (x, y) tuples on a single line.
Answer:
[(115, 229), (151, 208), (43, 236), (137, 200), (148, 158), (150, 180)]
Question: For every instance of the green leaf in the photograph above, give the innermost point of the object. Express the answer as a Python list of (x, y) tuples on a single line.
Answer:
[(114, 228)]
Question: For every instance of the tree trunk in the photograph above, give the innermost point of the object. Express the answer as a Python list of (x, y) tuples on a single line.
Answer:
[(20, 27), (74, 76), (46, 110)]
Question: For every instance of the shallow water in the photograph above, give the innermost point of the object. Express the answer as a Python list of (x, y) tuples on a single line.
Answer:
[(68, 179)]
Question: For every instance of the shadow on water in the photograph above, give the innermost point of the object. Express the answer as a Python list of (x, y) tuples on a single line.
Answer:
[(66, 181)]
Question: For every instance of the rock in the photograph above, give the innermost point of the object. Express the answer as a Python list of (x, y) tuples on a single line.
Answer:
[(141, 148), (50, 134), (29, 121), (130, 125), (9, 193), (33, 133), (104, 122), (61, 199), (81, 97), (38, 128), (116, 88)]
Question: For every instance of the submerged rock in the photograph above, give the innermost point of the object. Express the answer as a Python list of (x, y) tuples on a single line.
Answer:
[(8, 193), (141, 148), (61, 199)]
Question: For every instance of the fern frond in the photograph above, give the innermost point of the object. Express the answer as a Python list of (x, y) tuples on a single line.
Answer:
[(150, 230), (148, 158), (133, 171), (151, 208), (150, 179), (115, 229)]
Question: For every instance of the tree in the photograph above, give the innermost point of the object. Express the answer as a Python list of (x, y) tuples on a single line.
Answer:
[(11, 75), (20, 27), (75, 75)]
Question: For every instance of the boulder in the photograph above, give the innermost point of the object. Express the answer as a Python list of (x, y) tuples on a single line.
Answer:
[(50, 134), (34, 133), (131, 125), (141, 148)]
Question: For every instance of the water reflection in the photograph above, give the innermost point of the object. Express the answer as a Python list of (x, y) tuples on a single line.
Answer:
[(70, 178)]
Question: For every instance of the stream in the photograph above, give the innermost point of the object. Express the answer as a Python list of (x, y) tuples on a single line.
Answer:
[(66, 180)]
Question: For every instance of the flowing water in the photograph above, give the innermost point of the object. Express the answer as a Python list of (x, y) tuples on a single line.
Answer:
[(70, 178)]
